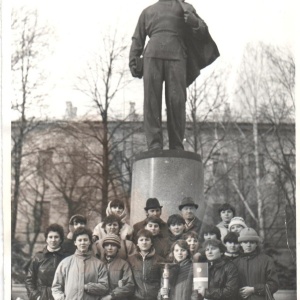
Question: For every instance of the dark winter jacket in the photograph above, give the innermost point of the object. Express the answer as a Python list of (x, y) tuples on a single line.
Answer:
[(41, 273), (69, 246), (161, 245), (223, 281), (147, 273), (181, 281), (119, 269), (256, 270), (231, 256)]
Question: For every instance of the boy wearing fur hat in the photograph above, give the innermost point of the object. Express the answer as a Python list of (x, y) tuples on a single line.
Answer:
[(120, 278), (256, 270), (76, 221)]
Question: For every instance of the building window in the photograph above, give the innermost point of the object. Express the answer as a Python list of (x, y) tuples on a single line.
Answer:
[(45, 160), (252, 165), (215, 159), (42, 213)]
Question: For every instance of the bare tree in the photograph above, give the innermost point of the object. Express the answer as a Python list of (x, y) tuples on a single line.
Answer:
[(30, 44), (103, 79), (266, 82)]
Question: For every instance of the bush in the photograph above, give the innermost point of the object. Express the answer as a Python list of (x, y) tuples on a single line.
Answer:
[(19, 262)]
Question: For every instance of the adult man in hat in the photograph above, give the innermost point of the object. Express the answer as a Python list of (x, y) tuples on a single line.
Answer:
[(188, 209), (153, 208), (179, 46)]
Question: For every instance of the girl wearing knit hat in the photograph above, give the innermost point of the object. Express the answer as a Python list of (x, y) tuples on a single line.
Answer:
[(112, 224), (257, 271), (120, 278), (236, 224)]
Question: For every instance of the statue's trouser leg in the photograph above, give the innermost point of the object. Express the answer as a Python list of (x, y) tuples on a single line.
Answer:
[(153, 82), (175, 88)]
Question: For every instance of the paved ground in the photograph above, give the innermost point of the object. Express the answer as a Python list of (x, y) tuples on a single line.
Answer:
[(20, 291)]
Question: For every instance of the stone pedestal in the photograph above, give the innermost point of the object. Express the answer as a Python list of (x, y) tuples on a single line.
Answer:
[(169, 176)]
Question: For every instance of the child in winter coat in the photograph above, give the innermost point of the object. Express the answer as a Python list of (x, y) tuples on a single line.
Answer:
[(232, 246), (115, 207), (112, 224), (257, 271), (181, 274), (160, 243), (226, 213), (222, 274), (82, 275), (120, 279), (146, 266)]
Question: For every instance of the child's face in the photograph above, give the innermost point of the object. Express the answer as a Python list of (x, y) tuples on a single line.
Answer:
[(82, 243), (144, 243), (78, 224), (193, 243), (112, 228), (248, 246), (179, 253), (209, 236), (232, 247), (110, 249), (177, 229), (53, 240), (236, 228), (153, 227), (212, 252), (226, 215), (117, 210)]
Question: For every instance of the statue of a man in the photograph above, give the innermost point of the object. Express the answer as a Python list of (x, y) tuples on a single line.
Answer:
[(179, 46)]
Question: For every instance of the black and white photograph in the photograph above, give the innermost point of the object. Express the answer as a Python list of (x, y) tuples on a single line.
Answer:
[(148, 150)]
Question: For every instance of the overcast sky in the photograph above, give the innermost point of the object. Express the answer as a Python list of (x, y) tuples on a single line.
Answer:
[(79, 25)]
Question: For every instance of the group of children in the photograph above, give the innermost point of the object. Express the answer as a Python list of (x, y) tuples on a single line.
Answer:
[(117, 261)]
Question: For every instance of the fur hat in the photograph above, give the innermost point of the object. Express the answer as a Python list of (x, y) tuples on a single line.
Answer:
[(248, 234), (112, 239), (237, 221)]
